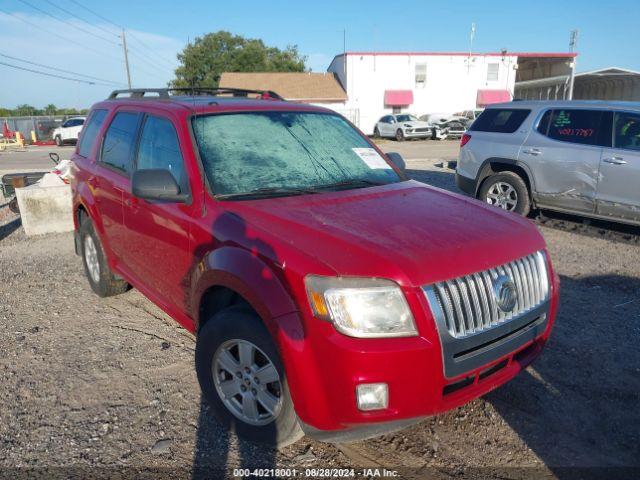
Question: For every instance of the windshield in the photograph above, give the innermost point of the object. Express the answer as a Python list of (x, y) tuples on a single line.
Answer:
[(285, 153), (406, 118)]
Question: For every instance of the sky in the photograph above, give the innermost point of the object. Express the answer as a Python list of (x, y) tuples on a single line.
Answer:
[(156, 30)]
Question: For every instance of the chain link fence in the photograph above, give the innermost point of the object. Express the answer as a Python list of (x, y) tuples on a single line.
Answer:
[(42, 125)]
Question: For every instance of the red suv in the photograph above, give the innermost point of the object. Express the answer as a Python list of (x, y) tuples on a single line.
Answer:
[(329, 294)]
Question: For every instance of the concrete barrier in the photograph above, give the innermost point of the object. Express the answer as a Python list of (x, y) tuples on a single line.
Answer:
[(45, 209)]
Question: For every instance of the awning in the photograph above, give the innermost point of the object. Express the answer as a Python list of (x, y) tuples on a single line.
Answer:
[(487, 97), (395, 98)]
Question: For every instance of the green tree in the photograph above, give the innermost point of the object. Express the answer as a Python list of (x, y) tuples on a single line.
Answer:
[(203, 61), (50, 109), (25, 110)]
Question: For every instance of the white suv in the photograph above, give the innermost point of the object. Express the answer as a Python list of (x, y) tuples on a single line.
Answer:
[(68, 131), (578, 157)]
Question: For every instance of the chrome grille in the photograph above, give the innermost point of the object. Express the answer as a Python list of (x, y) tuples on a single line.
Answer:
[(469, 305)]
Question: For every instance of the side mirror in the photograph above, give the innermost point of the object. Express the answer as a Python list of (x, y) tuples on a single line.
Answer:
[(397, 160), (393, 120), (156, 184)]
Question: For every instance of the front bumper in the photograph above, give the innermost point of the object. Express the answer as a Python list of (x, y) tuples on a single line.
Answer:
[(323, 384), (426, 134)]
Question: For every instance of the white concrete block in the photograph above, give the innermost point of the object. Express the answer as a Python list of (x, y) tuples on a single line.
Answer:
[(45, 209)]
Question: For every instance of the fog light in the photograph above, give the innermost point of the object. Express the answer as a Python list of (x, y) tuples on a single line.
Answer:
[(372, 396)]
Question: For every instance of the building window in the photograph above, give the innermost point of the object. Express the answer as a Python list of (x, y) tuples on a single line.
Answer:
[(492, 72), (421, 75)]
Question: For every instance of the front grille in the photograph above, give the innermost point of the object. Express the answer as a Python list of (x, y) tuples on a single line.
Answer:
[(469, 305), (422, 130)]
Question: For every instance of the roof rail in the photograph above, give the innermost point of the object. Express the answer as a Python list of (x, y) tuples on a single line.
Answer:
[(164, 93)]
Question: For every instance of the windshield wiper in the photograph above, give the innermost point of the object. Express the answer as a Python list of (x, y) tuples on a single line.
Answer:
[(354, 182), (266, 192)]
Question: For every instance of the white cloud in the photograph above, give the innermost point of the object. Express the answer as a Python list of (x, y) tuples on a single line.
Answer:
[(152, 59)]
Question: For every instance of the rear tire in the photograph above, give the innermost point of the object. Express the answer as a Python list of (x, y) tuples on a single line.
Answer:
[(13, 206), (103, 282), (506, 190), (228, 381), (399, 135)]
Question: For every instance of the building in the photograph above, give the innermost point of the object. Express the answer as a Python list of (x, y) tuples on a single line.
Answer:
[(378, 83), (315, 88), (611, 83)]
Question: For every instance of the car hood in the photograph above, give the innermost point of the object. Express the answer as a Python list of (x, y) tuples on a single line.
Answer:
[(408, 231), (415, 124)]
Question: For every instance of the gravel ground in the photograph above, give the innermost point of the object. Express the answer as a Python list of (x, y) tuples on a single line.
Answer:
[(110, 383)]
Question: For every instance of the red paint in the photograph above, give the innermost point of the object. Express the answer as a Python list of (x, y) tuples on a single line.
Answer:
[(398, 97), (262, 249), (488, 97), (466, 54)]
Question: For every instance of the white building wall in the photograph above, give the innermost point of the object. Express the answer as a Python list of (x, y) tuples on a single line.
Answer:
[(451, 85)]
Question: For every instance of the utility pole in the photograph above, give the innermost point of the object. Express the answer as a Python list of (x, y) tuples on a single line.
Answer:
[(471, 37), (126, 58), (573, 42)]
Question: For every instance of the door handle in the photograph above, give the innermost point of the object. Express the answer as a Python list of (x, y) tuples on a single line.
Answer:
[(532, 151), (615, 160)]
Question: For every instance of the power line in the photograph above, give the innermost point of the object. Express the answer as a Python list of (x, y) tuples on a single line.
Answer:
[(140, 42), (96, 14), (66, 39), (69, 12), (68, 23), (59, 69), (88, 82)]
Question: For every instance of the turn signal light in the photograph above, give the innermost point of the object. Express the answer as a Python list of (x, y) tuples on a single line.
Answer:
[(464, 139)]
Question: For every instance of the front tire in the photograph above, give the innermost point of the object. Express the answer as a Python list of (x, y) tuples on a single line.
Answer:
[(506, 190), (58, 141), (399, 135), (376, 133), (242, 378), (103, 282)]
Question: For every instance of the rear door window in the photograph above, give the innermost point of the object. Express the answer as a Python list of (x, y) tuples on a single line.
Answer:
[(90, 132), (586, 127), (627, 131), (500, 120), (119, 141), (159, 148)]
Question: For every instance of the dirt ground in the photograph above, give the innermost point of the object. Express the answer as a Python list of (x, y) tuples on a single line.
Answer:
[(110, 383)]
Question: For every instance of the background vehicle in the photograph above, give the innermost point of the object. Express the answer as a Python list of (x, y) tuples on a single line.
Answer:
[(445, 126), (469, 115), (68, 131), (223, 210), (578, 157), (401, 126)]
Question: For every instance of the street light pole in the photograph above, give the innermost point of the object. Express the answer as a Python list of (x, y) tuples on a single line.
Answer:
[(126, 58), (573, 42)]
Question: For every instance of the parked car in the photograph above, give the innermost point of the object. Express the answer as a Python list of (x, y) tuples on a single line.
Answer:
[(444, 126), (401, 127), (328, 293), (578, 157), (68, 131), (468, 116)]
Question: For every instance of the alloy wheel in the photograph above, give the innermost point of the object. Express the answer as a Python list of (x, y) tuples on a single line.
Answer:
[(247, 382), (503, 195), (91, 258)]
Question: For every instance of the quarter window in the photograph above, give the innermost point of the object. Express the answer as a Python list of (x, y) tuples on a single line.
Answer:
[(627, 131), (119, 141), (587, 127), (159, 148), (500, 120), (90, 132)]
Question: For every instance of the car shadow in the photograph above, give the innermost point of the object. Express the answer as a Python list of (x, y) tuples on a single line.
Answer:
[(218, 450), (8, 228), (576, 406)]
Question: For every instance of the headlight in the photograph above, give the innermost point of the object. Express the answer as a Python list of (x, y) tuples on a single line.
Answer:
[(361, 307)]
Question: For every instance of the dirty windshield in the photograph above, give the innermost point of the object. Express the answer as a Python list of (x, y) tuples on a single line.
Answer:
[(285, 153)]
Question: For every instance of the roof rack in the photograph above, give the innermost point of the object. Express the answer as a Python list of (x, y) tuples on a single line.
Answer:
[(164, 93)]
